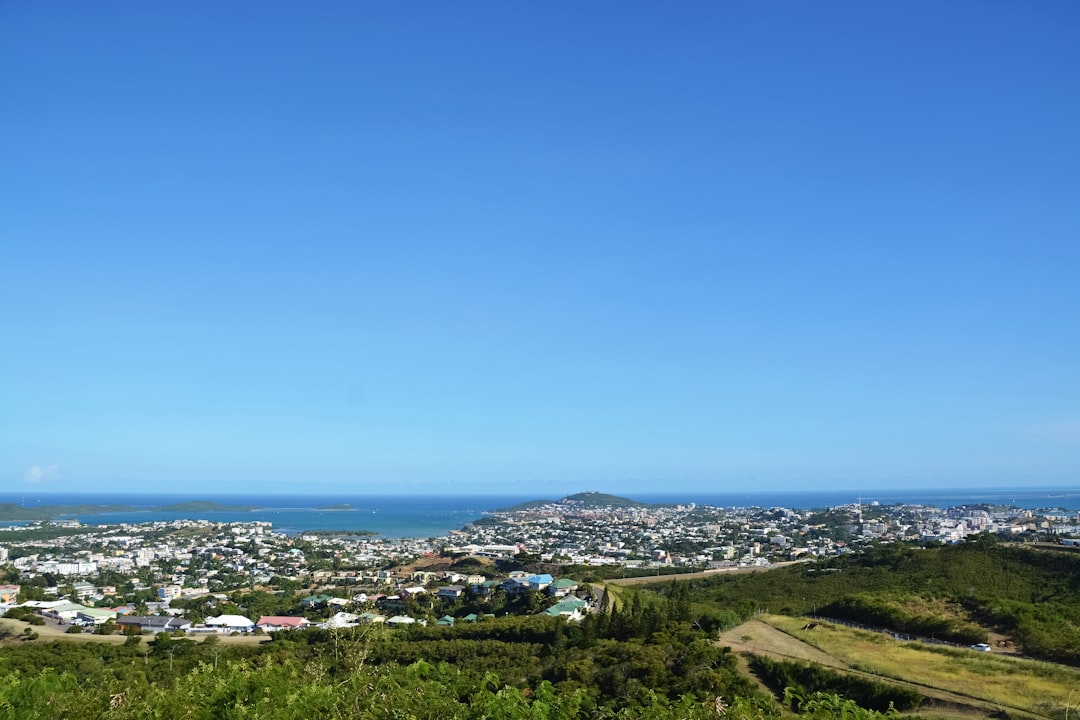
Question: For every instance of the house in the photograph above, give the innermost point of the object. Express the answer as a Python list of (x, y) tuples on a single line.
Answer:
[(562, 587), (539, 582), (168, 592), (445, 620), (230, 623), (370, 617), (451, 592), (342, 620), (273, 623), (570, 608), (515, 585), (153, 623), (83, 589), (314, 600), (399, 620), (483, 589)]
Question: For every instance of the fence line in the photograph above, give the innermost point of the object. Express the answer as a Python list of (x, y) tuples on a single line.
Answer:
[(885, 631)]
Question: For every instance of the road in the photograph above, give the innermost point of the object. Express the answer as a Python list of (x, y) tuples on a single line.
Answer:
[(651, 579)]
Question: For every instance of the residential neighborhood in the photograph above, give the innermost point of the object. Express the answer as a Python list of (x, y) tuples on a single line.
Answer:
[(198, 576)]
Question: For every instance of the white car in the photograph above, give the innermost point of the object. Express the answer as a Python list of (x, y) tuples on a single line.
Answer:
[(981, 646)]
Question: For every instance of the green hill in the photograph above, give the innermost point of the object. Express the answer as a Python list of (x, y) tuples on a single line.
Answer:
[(203, 506), (11, 511), (599, 499), (582, 499), (954, 592)]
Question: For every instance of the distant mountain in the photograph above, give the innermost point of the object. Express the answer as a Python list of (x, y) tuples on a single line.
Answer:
[(583, 500)]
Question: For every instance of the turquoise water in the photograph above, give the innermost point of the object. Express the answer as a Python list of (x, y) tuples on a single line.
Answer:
[(436, 515)]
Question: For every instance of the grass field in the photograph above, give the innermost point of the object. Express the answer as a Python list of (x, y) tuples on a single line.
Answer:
[(1039, 688)]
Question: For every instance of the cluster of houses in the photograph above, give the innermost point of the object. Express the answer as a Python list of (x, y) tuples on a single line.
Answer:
[(98, 573), (711, 537), (387, 608)]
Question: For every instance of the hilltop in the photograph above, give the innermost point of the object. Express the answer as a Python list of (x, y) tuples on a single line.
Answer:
[(582, 499)]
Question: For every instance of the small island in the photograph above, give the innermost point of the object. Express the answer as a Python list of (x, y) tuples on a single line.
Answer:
[(11, 512), (204, 506), (342, 506)]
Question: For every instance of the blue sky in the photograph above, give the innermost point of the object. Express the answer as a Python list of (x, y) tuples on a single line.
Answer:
[(475, 247)]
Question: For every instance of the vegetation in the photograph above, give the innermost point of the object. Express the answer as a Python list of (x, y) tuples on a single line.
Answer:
[(203, 506), (584, 500), (799, 680), (645, 653), (1039, 688), (954, 591), (12, 512)]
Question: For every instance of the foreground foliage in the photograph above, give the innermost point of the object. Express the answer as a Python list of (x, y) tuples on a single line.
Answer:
[(422, 691)]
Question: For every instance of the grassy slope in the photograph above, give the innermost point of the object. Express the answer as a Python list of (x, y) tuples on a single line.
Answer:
[(984, 680)]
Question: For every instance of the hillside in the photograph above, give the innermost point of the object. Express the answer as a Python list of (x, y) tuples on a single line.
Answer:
[(582, 499), (955, 593)]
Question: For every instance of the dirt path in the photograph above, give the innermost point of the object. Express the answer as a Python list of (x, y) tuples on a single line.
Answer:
[(761, 638)]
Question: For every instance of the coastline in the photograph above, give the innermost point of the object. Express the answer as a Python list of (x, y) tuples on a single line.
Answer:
[(400, 516)]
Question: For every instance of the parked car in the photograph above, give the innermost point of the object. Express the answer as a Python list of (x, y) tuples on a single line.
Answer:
[(981, 646)]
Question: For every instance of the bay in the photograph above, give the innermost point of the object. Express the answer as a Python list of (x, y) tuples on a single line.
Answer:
[(396, 516)]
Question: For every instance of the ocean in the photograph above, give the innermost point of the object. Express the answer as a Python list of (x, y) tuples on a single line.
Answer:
[(396, 516)]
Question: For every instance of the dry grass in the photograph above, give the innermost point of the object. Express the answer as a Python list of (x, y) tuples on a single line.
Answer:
[(1036, 687), (11, 633), (758, 637)]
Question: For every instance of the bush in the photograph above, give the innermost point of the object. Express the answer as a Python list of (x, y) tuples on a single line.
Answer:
[(74, 630), (803, 679)]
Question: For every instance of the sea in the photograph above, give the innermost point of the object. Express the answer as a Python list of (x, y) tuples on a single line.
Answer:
[(424, 516)]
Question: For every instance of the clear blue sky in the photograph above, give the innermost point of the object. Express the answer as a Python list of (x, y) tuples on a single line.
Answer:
[(472, 247)]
